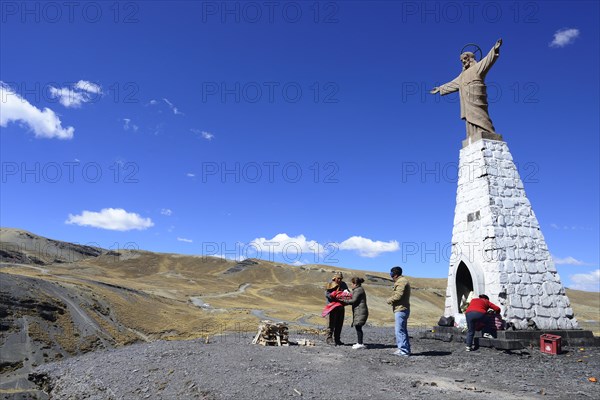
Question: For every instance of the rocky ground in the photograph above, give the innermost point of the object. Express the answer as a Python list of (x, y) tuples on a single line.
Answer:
[(229, 367)]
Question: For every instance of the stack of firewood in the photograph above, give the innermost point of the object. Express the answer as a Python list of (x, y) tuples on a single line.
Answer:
[(271, 334)]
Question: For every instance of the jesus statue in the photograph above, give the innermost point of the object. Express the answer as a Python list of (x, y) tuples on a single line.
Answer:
[(472, 91)]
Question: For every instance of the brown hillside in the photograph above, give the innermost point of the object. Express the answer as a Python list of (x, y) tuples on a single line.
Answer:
[(60, 299)]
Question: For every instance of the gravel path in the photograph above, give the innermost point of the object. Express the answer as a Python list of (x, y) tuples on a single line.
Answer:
[(231, 368)]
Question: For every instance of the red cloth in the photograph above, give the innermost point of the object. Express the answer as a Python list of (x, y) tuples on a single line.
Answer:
[(330, 307), (482, 306), (337, 295)]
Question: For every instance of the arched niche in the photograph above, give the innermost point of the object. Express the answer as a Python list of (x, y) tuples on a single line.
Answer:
[(463, 283)]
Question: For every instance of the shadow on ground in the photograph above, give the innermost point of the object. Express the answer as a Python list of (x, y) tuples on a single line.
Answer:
[(433, 353)]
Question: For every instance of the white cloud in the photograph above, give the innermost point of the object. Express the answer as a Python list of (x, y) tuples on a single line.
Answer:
[(172, 107), (45, 124), (290, 246), (296, 247), (152, 103), (226, 257), (74, 97), (568, 261), (205, 134), (589, 282), (185, 240), (299, 263), (571, 228), (89, 87), (367, 247), (564, 37), (69, 97), (166, 211), (190, 175), (128, 125), (158, 129), (115, 219)]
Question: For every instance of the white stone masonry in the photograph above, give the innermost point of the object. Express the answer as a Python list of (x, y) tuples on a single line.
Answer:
[(498, 244)]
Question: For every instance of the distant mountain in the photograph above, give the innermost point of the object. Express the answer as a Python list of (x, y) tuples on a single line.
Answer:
[(22, 247)]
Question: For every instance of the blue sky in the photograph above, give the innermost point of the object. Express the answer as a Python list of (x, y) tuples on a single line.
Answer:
[(204, 127)]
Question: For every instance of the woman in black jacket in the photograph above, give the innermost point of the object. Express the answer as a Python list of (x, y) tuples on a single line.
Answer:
[(360, 312)]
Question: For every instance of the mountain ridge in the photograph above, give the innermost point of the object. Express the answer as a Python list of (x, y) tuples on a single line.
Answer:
[(61, 299)]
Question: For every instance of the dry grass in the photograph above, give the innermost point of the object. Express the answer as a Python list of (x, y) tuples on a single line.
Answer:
[(151, 292), (586, 306)]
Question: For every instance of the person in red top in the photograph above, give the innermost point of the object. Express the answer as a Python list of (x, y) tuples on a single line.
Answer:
[(476, 311)]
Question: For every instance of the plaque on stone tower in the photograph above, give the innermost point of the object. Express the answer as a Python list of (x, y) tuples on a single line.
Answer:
[(497, 245)]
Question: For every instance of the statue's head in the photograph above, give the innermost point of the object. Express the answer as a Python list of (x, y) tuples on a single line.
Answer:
[(467, 58)]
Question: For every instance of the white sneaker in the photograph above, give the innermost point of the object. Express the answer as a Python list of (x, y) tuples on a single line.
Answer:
[(359, 346), (488, 336)]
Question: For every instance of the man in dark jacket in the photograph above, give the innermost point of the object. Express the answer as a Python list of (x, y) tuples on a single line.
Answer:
[(400, 302), (336, 316)]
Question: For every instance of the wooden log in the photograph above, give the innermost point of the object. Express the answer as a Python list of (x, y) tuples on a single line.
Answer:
[(256, 338), (272, 334)]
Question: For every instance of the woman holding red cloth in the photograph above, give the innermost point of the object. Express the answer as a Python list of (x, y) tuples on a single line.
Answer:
[(476, 312), (334, 308)]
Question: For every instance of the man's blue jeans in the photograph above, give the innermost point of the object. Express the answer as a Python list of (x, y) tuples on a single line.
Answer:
[(402, 342), (472, 318)]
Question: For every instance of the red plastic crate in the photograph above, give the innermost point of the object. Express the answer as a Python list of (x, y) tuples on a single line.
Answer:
[(550, 344)]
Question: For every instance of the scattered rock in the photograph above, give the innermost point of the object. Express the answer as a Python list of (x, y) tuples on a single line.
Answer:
[(235, 369)]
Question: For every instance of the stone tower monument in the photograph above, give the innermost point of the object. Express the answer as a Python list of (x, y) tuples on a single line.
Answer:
[(497, 246)]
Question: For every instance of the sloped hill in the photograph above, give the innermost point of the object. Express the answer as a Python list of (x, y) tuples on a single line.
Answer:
[(586, 306), (61, 299), (19, 246)]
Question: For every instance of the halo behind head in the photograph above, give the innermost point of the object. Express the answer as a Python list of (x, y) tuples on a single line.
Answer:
[(473, 49)]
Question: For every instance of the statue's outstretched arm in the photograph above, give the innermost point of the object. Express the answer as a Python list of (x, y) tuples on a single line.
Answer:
[(446, 88), (486, 63)]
